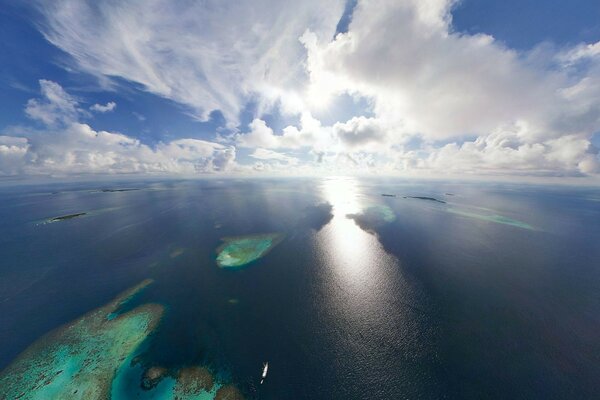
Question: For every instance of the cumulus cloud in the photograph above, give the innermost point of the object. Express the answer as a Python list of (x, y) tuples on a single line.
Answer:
[(66, 146), (270, 155), (12, 153), (426, 80), (359, 131), (310, 134), (108, 107), (209, 55)]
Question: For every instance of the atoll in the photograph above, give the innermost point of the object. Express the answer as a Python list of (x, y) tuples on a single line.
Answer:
[(79, 359)]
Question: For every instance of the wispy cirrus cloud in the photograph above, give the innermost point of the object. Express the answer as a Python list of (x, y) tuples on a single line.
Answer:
[(209, 56)]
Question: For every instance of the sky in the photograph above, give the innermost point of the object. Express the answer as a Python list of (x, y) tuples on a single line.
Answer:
[(413, 88)]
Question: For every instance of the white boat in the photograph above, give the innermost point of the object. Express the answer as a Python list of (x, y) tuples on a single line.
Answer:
[(264, 374)]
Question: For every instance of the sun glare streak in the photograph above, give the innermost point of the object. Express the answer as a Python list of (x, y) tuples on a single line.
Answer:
[(349, 249)]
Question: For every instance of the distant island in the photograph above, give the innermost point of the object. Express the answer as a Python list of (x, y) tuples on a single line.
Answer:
[(425, 198), (116, 190), (68, 216), (388, 195)]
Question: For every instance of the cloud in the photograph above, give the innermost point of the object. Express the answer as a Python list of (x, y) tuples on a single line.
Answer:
[(580, 53), (140, 117), (310, 134), (108, 107), (504, 152), (359, 131), (430, 80), (72, 147), (425, 80), (55, 106), (429, 99), (209, 55), (12, 153), (270, 155)]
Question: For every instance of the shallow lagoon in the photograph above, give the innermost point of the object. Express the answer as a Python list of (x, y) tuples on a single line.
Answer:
[(428, 304)]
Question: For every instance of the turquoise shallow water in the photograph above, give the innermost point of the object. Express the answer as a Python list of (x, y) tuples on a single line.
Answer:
[(78, 360), (492, 294), (238, 252)]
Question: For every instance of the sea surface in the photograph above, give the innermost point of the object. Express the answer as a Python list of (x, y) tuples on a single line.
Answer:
[(434, 291)]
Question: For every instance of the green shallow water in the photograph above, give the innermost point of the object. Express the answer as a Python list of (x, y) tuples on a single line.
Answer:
[(79, 360), (499, 219), (236, 252), (382, 211)]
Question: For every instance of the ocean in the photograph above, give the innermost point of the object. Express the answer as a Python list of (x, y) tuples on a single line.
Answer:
[(360, 288)]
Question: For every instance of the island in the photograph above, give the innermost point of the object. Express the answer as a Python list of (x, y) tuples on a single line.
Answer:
[(66, 217), (388, 195), (239, 251), (117, 190), (425, 198)]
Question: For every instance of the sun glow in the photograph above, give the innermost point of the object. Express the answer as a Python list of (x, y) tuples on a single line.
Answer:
[(318, 98)]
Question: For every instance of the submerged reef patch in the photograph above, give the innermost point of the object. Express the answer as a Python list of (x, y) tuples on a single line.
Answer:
[(187, 383), (499, 219), (229, 392), (79, 359), (239, 251), (192, 381), (373, 217), (177, 252), (153, 376)]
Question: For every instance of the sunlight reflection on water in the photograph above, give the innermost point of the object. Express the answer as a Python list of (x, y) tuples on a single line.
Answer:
[(356, 259)]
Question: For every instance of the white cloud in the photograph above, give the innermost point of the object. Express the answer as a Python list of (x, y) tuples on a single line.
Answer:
[(432, 99), (580, 53), (108, 107), (12, 153), (310, 134), (55, 106), (425, 80), (359, 131), (209, 55), (72, 147), (270, 155), (505, 152)]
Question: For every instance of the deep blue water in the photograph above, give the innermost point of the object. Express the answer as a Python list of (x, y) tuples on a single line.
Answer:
[(434, 304)]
